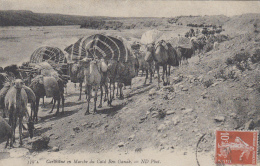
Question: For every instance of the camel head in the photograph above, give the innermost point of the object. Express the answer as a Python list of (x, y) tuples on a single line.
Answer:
[(161, 43), (149, 52), (30, 126), (85, 62), (94, 65), (18, 83)]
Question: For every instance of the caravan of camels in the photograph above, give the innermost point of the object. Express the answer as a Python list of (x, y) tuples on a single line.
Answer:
[(99, 62)]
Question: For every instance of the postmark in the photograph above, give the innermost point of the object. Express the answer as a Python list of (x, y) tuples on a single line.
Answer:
[(236, 147)]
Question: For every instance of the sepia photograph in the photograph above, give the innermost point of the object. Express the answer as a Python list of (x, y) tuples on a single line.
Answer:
[(129, 82)]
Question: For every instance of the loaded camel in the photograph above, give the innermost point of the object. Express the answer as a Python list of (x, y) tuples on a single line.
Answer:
[(48, 86), (92, 77), (5, 130), (148, 58), (76, 73), (159, 54), (16, 101)]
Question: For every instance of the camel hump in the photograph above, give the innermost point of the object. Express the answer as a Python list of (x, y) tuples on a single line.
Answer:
[(103, 66), (51, 86), (30, 94), (10, 98), (3, 92)]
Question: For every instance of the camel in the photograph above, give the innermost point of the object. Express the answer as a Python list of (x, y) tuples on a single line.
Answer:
[(48, 86), (149, 53), (76, 73), (159, 54), (183, 54), (121, 72), (92, 77), (173, 59), (104, 81), (197, 44), (16, 101)]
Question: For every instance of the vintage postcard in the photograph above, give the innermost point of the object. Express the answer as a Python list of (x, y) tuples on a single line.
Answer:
[(129, 82)]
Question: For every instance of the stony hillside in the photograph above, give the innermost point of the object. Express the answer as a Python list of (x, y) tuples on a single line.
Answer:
[(219, 89), (208, 94), (207, 20), (243, 23)]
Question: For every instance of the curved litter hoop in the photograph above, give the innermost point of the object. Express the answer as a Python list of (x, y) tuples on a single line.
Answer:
[(48, 53)]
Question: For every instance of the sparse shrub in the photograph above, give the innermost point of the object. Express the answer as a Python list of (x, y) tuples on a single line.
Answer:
[(229, 61), (241, 56), (226, 74), (221, 74), (172, 20), (219, 100), (161, 114), (241, 60), (232, 75), (208, 83), (255, 27), (258, 88), (256, 56), (242, 66), (208, 47)]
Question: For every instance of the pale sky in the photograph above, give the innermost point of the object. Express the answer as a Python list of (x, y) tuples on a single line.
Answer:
[(133, 8)]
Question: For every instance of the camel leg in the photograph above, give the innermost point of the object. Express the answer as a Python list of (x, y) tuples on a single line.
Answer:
[(109, 101), (163, 75), (114, 87), (20, 130), (53, 106), (51, 101), (4, 115), (88, 100), (101, 95), (120, 86), (14, 120), (106, 92), (151, 72), (80, 87), (32, 111), (169, 70), (110, 96), (157, 69), (75, 86), (95, 100), (62, 100), (146, 76), (166, 75), (10, 137), (66, 89), (36, 108), (58, 106), (7, 142), (169, 74), (117, 90), (43, 105)]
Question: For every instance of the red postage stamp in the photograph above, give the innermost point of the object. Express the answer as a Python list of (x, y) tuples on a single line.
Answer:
[(236, 147)]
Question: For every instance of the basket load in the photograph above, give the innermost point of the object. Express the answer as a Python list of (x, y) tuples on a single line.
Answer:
[(97, 46), (48, 53), (180, 41), (151, 36)]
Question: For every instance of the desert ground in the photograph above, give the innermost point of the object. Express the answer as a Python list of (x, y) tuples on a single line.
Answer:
[(202, 97)]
